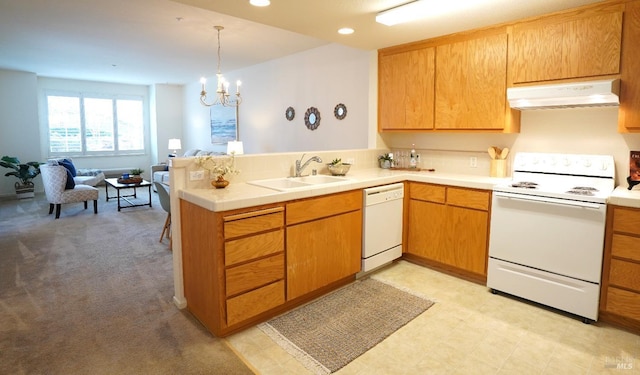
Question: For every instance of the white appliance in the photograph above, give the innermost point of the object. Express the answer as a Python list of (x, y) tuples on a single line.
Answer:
[(547, 230), (574, 94), (382, 226)]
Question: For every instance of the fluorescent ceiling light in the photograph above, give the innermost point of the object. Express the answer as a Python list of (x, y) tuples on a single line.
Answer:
[(421, 9)]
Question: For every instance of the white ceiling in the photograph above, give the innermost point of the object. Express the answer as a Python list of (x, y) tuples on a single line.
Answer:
[(164, 41)]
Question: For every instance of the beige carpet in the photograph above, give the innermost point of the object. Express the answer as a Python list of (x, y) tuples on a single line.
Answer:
[(92, 294), (327, 334)]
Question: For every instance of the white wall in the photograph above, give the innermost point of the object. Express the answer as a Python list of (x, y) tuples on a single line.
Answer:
[(19, 134), (321, 78), (167, 119)]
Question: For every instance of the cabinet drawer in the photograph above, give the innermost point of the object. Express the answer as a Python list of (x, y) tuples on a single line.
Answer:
[(468, 198), (255, 302), (426, 192), (253, 222), (625, 274), (247, 248), (626, 220), (255, 274), (316, 208), (623, 303), (626, 247)]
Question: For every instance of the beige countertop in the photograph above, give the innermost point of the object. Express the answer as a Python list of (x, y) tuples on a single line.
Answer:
[(621, 196), (242, 195)]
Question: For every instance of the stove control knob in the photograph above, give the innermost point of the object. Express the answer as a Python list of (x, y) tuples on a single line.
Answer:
[(566, 162), (586, 163)]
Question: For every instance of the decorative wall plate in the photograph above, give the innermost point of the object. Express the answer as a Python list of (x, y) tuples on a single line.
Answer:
[(312, 118), (290, 113), (340, 111)]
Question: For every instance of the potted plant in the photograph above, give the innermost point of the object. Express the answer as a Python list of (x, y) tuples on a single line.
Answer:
[(338, 168), (136, 172), (218, 167), (385, 160), (25, 172)]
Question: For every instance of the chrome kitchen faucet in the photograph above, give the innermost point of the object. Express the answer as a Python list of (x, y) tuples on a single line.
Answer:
[(300, 168)]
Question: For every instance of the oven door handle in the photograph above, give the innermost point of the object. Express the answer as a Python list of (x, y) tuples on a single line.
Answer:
[(548, 200)]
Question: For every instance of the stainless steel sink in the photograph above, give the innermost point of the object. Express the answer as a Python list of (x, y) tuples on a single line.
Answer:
[(298, 183)]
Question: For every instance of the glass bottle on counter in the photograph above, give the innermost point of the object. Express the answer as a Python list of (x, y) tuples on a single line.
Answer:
[(413, 160)]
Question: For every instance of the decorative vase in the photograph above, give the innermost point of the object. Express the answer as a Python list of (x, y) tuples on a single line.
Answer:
[(220, 182), (24, 191)]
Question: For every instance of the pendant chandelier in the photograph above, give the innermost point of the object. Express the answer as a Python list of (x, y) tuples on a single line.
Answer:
[(222, 96)]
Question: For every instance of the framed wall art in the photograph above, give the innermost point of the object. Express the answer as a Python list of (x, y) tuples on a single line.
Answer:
[(224, 124)]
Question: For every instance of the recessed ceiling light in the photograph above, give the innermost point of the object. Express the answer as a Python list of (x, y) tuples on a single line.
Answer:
[(260, 3), (346, 31)]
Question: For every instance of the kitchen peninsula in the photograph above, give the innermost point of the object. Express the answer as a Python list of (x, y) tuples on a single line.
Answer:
[(249, 253)]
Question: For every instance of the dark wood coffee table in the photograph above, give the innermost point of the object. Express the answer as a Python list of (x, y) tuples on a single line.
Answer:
[(113, 182)]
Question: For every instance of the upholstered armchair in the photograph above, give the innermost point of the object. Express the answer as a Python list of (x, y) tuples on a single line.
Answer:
[(59, 191)]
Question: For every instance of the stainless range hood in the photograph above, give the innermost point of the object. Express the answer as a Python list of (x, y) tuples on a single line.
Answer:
[(565, 95)]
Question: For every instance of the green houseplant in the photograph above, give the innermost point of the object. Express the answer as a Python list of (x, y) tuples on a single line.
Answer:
[(25, 172), (385, 160), (136, 171)]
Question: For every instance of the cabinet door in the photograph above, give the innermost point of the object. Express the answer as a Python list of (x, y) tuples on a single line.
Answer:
[(629, 113), (591, 46), (471, 84), (467, 238), (322, 251), (426, 235), (545, 43), (406, 89), (581, 47)]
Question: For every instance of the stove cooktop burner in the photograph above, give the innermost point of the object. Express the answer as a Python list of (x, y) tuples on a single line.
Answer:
[(580, 192), (525, 185), (583, 190)]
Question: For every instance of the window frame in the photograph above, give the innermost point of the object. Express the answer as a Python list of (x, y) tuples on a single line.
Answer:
[(81, 95)]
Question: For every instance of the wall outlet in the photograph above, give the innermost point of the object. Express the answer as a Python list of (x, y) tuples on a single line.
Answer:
[(473, 162), (351, 161), (196, 175)]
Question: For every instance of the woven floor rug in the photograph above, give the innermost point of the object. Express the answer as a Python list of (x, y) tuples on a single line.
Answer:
[(327, 334)]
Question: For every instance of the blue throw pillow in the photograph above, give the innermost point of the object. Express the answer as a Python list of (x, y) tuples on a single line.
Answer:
[(69, 165)]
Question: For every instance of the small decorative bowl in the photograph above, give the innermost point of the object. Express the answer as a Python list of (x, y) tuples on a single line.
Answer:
[(339, 169)]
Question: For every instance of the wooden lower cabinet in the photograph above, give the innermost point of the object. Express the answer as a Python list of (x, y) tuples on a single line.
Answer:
[(324, 241), (448, 227), (620, 294), (233, 264), (239, 269)]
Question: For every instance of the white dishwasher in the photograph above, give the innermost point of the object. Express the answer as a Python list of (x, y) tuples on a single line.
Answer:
[(382, 226)]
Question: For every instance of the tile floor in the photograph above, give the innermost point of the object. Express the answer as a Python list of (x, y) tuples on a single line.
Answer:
[(470, 331)]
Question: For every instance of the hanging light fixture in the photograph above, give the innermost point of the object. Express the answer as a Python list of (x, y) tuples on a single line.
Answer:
[(222, 91)]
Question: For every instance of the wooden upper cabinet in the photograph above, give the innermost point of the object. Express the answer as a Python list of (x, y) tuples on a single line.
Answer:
[(566, 47), (405, 91), (471, 79), (629, 114)]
